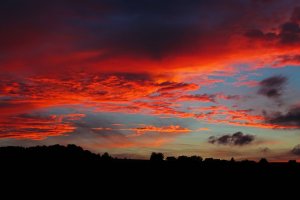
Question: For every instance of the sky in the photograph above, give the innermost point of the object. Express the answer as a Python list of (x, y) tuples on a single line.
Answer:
[(198, 77)]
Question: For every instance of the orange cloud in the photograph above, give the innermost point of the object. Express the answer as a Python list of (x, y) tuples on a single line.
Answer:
[(173, 129), (140, 136), (116, 142), (198, 97)]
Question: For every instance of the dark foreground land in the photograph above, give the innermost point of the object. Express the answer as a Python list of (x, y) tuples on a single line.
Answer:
[(71, 165)]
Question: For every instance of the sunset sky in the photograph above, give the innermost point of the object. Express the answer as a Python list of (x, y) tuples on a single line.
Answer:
[(183, 77)]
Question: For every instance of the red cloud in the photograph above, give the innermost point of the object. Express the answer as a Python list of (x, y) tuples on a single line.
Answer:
[(37, 127), (114, 62), (122, 93), (109, 93)]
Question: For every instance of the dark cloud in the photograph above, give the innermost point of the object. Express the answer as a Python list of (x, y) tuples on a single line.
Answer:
[(145, 28), (151, 30), (296, 150), (296, 15), (289, 59), (255, 34), (199, 97), (155, 29), (290, 27), (289, 119), (230, 97), (260, 35), (138, 77), (272, 87), (288, 32), (264, 1), (236, 139), (170, 86)]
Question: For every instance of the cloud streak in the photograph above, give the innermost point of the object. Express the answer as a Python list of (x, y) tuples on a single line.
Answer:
[(37, 127)]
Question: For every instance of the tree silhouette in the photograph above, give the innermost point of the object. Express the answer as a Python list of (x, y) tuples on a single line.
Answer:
[(232, 160), (106, 157), (171, 159), (263, 161), (183, 158), (196, 158), (157, 157)]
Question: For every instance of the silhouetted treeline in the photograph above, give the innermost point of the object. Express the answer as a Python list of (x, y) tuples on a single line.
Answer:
[(73, 159), (73, 165), (50, 153), (72, 152)]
